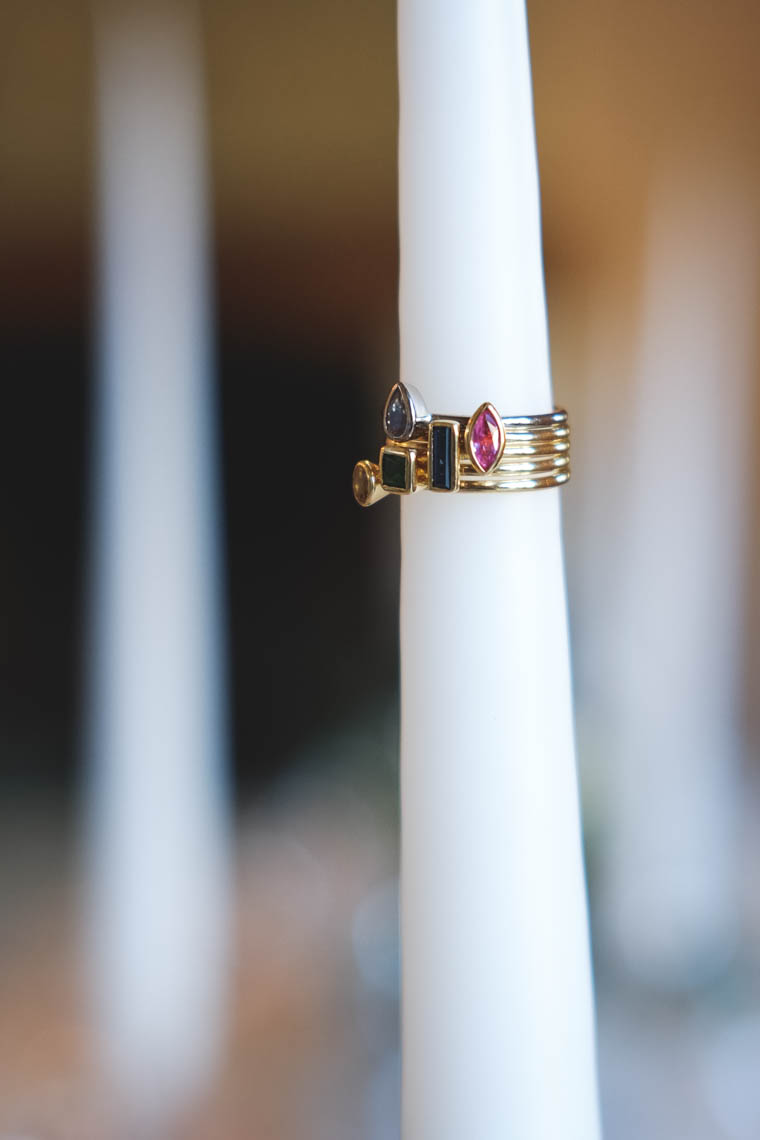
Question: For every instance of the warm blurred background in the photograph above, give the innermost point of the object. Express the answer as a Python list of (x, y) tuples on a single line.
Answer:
[(646, 117)]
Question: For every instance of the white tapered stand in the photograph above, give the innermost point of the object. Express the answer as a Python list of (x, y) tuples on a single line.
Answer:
[(158, 861), (497, 1023)]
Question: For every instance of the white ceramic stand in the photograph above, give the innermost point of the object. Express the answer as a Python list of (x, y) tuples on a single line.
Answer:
[(158, 844), (677, 629), (497, 1025)]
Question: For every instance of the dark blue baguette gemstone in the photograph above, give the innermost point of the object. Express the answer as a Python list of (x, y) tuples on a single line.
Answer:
[(442, 457)]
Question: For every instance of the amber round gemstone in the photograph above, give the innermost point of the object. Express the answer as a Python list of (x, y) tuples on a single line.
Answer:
[(363, 483)]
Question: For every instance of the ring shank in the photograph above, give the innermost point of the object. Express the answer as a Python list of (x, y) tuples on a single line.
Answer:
[(530, 453)]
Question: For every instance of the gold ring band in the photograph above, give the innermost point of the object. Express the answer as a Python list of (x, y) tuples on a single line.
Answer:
[(482, 452)]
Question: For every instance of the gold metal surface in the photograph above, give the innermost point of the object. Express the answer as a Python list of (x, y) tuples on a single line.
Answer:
[(366, 483), (534, 454), (393, 448)]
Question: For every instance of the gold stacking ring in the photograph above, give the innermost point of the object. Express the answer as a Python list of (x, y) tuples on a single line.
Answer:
[(482, 452)]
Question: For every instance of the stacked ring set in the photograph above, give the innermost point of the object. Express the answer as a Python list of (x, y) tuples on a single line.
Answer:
[(485, 452)]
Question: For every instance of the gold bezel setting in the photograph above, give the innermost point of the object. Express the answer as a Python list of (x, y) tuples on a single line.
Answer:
[(408, 456), (484, 410), (366, 483), (453, 426)]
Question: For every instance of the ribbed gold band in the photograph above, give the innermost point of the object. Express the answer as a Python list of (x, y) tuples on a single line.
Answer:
[(482, 452)]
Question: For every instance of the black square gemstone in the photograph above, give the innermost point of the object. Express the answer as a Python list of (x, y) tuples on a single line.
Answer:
[(442, 457), (394, 471)]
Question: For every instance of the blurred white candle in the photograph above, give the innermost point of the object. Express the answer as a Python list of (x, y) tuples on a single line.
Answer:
[(497, 1025), (157, 853), (677, 625)]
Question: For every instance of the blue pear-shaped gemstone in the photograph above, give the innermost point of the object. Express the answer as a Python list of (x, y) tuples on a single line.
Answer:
[(398, 413)]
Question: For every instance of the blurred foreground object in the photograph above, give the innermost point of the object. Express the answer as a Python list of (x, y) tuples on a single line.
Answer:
[(158, 858), (676, 638)]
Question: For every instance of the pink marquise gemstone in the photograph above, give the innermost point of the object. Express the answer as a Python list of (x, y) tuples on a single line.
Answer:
[(485, 439)]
